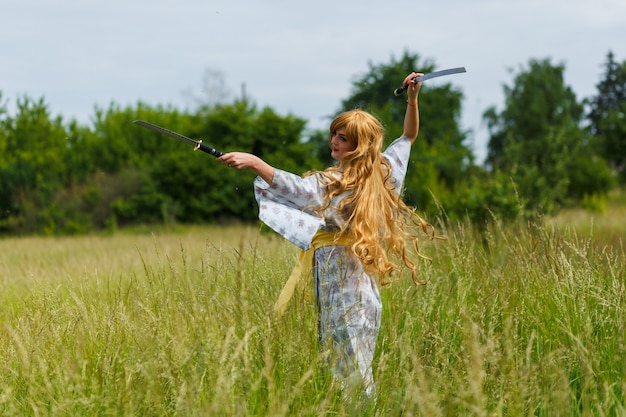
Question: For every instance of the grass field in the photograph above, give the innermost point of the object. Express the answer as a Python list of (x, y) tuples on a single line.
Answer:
[(515, 321)]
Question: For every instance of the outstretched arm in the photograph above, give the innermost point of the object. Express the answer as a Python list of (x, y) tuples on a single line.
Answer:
[(242, 160), (412, 117)]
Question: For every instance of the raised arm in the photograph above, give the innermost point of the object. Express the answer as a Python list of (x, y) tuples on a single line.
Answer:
[(411, 116)]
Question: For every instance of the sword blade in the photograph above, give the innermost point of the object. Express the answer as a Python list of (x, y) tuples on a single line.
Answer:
[(197, 144), (167, 132), (430, 75), (441, 73)]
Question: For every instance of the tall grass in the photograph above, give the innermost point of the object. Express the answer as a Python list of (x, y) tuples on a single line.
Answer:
[(515, 321)]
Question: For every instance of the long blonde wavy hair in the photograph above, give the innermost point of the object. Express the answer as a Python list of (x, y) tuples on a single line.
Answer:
[(378, 222)]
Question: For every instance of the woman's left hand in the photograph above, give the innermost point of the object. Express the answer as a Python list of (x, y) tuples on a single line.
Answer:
[(413, 88)]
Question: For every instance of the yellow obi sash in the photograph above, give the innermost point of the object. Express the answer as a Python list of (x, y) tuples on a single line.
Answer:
[(304, 266)]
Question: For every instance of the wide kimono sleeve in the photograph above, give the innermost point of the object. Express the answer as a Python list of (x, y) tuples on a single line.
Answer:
[(285, 206), (398, 156)]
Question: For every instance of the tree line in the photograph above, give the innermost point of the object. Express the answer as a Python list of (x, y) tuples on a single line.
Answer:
[(547, 150)]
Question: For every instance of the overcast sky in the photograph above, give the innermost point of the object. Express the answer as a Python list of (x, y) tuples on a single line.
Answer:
[(295, 57)]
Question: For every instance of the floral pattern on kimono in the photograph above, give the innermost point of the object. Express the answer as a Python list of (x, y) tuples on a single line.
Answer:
[(347, 297)]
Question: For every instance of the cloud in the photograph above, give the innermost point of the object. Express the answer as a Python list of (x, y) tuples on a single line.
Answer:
[(296, 57)]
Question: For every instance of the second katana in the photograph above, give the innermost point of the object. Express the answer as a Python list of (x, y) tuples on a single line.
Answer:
[(197, 144)]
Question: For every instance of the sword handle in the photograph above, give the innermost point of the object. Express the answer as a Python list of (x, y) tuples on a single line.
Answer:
[(211, 151), (399, 90)]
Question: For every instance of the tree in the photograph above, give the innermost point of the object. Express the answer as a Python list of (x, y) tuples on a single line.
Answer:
[(535, 105), (205, 191), (537, 138), (442, 174), (439, 157), (33, 165), (607, 115)]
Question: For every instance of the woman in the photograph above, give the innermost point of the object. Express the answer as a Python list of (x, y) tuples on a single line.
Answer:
[(347, 219)]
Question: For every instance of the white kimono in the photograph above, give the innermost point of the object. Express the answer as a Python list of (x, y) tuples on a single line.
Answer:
[(347, 297)]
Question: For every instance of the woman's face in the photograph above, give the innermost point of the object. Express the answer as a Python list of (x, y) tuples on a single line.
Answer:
[(339, 146)]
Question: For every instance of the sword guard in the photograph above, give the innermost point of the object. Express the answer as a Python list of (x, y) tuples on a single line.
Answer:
[(195, 148)]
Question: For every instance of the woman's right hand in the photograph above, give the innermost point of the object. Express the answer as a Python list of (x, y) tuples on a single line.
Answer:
[(243, 160)]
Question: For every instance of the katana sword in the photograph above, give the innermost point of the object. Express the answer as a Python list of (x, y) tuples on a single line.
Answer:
[(428, 76), (197, 144)]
